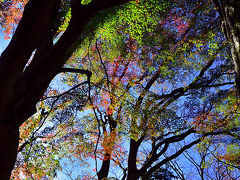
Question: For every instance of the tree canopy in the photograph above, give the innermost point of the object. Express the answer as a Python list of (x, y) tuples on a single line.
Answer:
[(97, 89)]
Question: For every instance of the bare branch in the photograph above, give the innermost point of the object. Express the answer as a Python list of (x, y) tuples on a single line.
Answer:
[(81, 71)]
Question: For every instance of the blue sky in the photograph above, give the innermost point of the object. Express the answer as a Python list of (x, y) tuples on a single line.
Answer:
[(3, 42)]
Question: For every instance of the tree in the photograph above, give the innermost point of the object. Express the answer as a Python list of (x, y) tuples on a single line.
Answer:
[(150, 116), (163, 174), (205, 159), (229, 13), (141, 70), (22, 86)]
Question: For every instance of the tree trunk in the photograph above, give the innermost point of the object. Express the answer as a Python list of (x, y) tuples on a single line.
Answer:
[(133, 172), (103, 173), (229, 11), (8, 150)]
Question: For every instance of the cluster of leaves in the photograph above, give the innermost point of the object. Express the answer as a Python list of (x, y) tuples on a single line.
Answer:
[(10, 14)]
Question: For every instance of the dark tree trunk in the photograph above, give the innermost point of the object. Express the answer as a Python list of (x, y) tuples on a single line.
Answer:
[(8, 150), (133, 172), (229, 11), (103, 173), (22, 87)]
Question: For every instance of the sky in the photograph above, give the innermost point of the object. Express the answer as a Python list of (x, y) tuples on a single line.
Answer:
[(3, 42)]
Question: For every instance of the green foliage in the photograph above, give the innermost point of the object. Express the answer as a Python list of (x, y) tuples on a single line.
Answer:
[(85, 2), (131, 20), (67, 18), (134, 19)]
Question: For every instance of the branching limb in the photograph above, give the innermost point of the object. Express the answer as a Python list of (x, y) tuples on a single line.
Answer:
[(81, 71)]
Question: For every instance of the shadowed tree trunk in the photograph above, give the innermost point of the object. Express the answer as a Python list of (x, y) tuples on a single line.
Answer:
[(104, 170), (229, 11), (21, 87), (103, 173), (133, 172)]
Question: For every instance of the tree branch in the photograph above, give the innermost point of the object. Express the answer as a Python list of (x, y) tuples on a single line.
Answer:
[(43, 69), (179, 152), (81, 71)]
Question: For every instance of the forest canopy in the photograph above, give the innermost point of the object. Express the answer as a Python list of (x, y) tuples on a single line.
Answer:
[(118, 89)]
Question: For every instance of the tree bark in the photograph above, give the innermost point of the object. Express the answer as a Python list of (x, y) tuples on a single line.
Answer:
[(8, 150), (133, 172), (229, 11), (103, 173)]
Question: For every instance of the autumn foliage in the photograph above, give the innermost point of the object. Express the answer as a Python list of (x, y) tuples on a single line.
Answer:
[(149, 81), (11, 13)]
